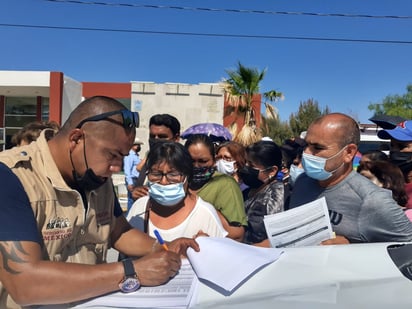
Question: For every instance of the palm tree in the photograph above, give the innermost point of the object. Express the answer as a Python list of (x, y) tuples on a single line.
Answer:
[(272, 96), (241, 86)]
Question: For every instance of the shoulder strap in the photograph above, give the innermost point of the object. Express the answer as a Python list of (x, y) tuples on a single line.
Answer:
[(142, 176), (146, 216)]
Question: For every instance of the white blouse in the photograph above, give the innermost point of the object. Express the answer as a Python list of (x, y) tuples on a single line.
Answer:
[(203, 217)]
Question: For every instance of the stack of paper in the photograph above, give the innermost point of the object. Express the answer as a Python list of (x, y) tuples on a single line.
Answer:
[(222, 263), (226, 263), (177, 293)]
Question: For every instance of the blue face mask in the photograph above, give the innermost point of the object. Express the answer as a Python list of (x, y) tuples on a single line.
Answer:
[(294, 172), (314, 166), (167, 195)]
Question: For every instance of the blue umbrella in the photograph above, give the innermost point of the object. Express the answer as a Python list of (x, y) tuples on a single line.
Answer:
[(215, 131)]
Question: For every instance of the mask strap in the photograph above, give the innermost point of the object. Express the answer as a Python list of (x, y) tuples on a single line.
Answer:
[(146, 216), (71, 160), (84, 151), (336, 168), (335, 156), (337, 152)]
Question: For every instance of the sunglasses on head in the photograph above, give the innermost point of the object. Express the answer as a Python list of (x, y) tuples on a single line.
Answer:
[(130, 119)]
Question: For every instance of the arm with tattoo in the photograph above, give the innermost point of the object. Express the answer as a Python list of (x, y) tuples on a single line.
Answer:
[(12, 252)]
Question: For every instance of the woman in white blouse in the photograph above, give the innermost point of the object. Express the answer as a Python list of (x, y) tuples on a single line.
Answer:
[(170, 207)]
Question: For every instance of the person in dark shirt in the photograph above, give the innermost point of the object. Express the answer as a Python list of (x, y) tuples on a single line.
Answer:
[(59, 214)]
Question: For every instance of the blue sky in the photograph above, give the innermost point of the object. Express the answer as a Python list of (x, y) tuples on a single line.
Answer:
[(345, 76)]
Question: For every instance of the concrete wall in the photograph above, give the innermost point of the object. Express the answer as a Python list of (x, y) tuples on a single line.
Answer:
[(190, 104), (72, 96)]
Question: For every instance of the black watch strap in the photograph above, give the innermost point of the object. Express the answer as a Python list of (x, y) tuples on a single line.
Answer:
[(129, 270)]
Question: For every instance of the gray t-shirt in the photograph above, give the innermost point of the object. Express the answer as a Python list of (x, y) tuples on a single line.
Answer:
[(358, 209)]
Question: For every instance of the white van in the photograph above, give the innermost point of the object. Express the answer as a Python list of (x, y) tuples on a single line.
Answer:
[(369, 139)]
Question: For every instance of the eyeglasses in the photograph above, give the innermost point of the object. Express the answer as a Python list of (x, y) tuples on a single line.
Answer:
[(171, 177), (130, 119)]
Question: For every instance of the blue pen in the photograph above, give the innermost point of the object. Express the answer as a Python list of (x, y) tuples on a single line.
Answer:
[(160, 239)]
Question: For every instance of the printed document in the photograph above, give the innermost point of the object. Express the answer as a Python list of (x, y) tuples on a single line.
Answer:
[(225, 263), (222, 264), (305, 225), (176, 293)]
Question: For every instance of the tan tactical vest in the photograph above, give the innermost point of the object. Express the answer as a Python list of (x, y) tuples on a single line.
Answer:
[(70, 233)]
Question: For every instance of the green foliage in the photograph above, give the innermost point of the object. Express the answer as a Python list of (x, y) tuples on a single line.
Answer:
[(278, 131), (308, 111), (245, 82), (395, 105), (272, 95)]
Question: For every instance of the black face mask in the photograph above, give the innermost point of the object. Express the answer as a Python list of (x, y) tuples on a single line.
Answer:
[(201, 175), (250, 176), (402, 159), (89, 181), (152, 141)]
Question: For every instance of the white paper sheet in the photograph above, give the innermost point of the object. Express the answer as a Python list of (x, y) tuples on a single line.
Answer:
[(226, 263), (176, 293), (305, 225)]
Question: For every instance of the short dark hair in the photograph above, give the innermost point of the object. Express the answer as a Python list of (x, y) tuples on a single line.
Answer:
[(376, 155), (166, 120), (265, 153), (292, 149), (172, 153), (90, 107), (201, 139)]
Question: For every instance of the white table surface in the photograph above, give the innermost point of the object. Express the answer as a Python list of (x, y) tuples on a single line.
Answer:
[(344, 276)]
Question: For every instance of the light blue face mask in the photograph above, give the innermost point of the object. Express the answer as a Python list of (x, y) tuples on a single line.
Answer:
[(167, 195), (314, 166), (294, 172)]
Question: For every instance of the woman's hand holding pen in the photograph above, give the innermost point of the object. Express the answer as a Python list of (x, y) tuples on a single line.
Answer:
[(178, 245)]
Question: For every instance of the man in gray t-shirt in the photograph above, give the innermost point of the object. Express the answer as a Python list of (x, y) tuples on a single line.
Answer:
[(359, 210)]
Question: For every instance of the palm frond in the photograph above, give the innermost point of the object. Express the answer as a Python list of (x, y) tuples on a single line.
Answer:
[(248, 135), (244, 83), (273, 95), (271, 111), (233, 130)]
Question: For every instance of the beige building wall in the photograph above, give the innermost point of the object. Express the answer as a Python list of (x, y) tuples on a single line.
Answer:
[(190, 104)]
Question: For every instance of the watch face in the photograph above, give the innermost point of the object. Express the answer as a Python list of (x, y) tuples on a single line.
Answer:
[(129, 285)]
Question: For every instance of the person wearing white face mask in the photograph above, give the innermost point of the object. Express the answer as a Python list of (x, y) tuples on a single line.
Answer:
[(359, 210), (231, 157), (225, 166), (170, 207)]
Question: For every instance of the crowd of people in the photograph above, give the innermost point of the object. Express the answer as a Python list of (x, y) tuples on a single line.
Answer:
[(60, 213)]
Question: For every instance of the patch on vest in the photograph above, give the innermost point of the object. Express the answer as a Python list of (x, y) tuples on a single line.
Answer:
[(58, 228), (103, 217)]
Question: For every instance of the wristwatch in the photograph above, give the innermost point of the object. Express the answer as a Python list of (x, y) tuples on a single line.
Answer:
[(130, 282)]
